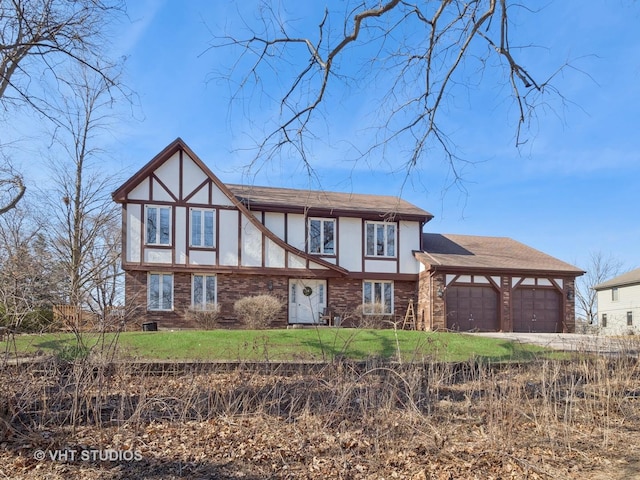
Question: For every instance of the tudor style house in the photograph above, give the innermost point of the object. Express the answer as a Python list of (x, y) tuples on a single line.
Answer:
[(619, 304), (192, 241)]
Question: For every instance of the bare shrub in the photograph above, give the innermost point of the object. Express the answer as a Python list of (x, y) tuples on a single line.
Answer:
[(372, 316), (206, 318), (258, 311)]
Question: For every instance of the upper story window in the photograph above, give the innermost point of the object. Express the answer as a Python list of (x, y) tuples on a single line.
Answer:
[(202, 228), (380, 239), (160, 291), (322, 236), (629, 318), (158, 225), (614, 294)]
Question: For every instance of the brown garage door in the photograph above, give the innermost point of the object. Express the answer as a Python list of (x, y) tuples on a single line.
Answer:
[(472, 308), (537, 310)]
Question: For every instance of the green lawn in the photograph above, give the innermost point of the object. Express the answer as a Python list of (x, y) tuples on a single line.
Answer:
[(322, 344)]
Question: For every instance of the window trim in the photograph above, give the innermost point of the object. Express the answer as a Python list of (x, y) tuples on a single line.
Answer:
[(388, 311), (203, 305), (161, 276), (615, 294), (386, 226), (157, 242), (322, 221), (202, 227)]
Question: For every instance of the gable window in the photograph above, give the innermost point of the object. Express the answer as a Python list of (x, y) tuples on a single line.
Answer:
[(604, 319), (158, 225), (203, 292), (377, 297), (202, 227), (629, 318), (380, 239), (322, 235), (614, 294), (160, 291)]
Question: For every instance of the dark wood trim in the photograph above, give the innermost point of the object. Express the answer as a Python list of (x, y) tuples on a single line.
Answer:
[(180, 175), (502, 271), (125, 230), (166, 189), (334, 212), (197, 189), (214, 269)]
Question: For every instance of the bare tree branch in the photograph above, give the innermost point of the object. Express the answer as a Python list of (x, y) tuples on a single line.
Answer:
[(601, 267), (12, 189), (417, 51)]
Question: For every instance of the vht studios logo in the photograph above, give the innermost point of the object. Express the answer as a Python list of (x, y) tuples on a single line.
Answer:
[(88, 455)]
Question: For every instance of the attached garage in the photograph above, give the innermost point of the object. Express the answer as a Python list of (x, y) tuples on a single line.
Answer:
[(537, 310), (472, 283), (472, 308)]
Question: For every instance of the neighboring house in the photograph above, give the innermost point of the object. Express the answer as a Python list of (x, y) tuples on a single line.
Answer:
[(619, 304), (192, 241)]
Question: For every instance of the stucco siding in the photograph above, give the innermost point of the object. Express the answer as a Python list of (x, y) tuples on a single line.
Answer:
[(134, 232), (228, 248), (350, 243), (409, 233)]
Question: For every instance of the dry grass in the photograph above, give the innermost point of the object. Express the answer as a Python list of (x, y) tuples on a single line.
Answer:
[(547, 419)]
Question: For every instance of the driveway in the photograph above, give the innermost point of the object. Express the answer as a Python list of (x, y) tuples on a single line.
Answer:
[(600, 344)]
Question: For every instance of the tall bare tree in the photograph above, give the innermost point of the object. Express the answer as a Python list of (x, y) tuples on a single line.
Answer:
[(601, 268), (29, 274), (82, 209), (410, 57), (39, 39)]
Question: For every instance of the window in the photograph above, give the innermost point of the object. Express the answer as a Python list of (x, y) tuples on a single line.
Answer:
[(158, 224), (321, 236), (160, 291), (377, 297), (203, 291), (614, 294), (380, 239), (629, 318), (202, 228), (604, 319)]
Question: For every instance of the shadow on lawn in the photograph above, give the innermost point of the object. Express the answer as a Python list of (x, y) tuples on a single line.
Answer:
[(338, 346), (518, 352), (428, 349)]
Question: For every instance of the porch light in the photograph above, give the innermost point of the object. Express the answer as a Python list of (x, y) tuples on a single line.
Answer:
[(570, 294), (440, 292)]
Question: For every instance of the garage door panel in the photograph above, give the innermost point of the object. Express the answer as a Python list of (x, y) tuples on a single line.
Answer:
[(472, 308), (537, 310)]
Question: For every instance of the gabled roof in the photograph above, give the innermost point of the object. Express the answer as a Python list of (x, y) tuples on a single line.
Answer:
[(332, 203), (120, 196), (291, 200), (487, 253), (629, 278)]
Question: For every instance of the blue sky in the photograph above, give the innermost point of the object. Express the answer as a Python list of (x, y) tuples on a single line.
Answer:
[(571, 190)]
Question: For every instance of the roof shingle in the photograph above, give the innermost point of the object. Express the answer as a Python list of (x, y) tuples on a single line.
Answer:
[(491, 253), (384, 206), (629, 278)]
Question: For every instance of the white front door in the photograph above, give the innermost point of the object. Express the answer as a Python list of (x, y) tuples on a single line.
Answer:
[(307, 300)]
